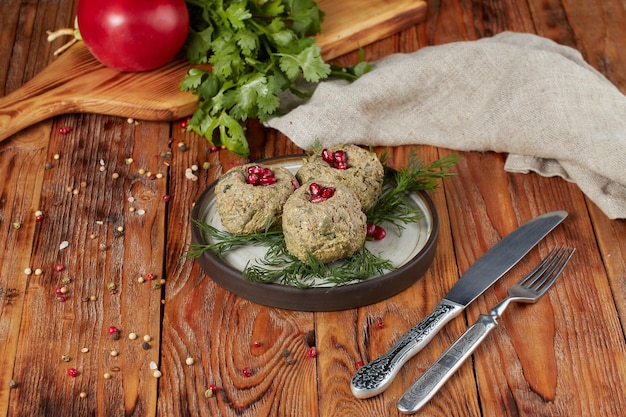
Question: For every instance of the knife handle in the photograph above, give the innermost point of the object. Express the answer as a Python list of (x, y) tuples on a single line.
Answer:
[(374, 377), (439, 372)]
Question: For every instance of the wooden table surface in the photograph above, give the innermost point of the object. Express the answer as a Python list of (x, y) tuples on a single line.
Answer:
[(564, 356)]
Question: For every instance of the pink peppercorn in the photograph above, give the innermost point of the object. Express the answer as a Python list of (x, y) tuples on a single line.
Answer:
[(380, 324), (64, 130), (73, 372), (247, 372), (113, 329), (58, 267), (311, 352)]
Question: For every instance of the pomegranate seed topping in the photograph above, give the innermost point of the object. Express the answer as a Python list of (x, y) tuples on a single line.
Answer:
[(319, 193), (375, 232), (253, 179), (258, 175), (328, 156), (338, 159), (315, 189), (267, 180), (328, 192), (295, 184)]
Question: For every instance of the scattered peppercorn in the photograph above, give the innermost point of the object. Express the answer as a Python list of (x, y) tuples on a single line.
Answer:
[(73, 372), (311, 352), (145, 346), (247, 372)]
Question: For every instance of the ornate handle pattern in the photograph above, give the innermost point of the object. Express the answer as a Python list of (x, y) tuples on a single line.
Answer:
[(374, 377), (436, 376)]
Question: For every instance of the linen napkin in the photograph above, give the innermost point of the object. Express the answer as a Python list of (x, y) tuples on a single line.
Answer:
[(514, 93)]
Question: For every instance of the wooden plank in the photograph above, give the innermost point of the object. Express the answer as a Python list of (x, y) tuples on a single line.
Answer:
[(85, 206), (350, 25)]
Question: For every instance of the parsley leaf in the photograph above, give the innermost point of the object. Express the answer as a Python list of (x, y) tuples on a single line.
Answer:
[(256, 49)]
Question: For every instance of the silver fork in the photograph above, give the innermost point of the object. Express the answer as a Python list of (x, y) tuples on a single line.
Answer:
[(528, 290)]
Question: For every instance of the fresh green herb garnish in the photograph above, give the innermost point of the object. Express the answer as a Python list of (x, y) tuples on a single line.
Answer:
[(225, 241), (278, 266), (392, 207), (257, 49)]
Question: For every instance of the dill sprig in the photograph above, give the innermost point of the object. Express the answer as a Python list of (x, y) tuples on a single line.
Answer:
[(392, 206), (281, 267), (224, 241)]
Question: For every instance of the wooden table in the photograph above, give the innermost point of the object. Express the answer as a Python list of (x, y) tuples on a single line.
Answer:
[(564, 356)]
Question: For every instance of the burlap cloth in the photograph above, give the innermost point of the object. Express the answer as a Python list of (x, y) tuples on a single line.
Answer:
[(514, 93)]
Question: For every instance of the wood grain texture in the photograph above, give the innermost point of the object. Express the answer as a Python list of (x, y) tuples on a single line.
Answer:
[(564, 356)]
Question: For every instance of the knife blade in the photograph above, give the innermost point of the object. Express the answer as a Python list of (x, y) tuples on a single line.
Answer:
[(376, 376)]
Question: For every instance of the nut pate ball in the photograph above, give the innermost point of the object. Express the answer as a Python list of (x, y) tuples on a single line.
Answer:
[(244, 207), (363, 172), (331, 229)]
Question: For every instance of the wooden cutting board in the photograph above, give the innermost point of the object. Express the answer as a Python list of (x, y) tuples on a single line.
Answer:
[(77, 83)]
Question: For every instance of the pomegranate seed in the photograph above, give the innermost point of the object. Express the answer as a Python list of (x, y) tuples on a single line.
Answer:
[(252, 179), (255, 169), (328, 156), (295, 184), (267, 180), (341, 156), (319, 193), (258, 175), (328, 192), (338, 159), (315, 189), (380, 233), (375, 232)]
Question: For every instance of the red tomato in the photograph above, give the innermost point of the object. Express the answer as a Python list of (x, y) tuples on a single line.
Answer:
[(133, 35)]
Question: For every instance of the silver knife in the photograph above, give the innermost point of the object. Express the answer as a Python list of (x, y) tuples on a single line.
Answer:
[(376, 376)]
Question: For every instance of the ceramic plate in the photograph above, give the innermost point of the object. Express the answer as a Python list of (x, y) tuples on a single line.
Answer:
[(411, 252)]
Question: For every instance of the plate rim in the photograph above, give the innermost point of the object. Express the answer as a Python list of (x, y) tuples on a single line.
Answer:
[(313, 299)]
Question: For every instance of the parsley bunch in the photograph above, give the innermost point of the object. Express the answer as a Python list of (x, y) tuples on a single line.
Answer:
[(256, 50)]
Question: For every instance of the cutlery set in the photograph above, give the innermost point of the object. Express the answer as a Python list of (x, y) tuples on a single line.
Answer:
[(376, 376)]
